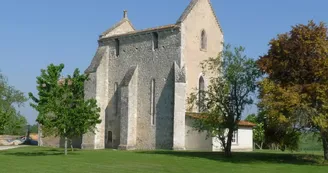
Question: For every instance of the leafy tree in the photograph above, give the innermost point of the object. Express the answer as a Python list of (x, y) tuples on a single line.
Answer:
[(232, 80), (295, 91), (280, 106), (10, 98), (17, 125), (258, 131), (34, 128), (63, 111)]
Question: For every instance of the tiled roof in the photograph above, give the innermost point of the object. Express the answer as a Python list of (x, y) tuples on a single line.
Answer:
[(146, 30), (246, 123), (240, 123), (181, 19)]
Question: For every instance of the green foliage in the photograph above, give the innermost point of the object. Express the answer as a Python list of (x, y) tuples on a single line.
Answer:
[(17, 125), (63, 111), (232, 80), (295, 92), (11, 122), (34, 128), (310, 141), (252, 118), (258, 130)]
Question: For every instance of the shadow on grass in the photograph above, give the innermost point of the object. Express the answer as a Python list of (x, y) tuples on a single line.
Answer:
[(248, 157), (49, 152)]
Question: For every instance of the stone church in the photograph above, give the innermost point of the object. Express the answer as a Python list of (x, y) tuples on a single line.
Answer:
[(141, 80)]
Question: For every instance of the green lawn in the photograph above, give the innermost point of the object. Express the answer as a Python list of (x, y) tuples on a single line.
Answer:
[(47, 160)]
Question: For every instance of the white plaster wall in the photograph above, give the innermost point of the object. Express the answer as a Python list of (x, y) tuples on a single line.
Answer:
[(196, 140), (244, 141)]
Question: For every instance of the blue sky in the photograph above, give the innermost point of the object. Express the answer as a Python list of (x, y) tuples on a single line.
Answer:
[(36, 33)]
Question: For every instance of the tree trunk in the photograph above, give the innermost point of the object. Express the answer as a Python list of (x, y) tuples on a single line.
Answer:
[(227, 149), (65, 145), (72, 144), (324, 136), (259, 146)]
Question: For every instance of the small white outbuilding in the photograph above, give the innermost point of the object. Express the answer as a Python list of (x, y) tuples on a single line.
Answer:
[(198, 141)]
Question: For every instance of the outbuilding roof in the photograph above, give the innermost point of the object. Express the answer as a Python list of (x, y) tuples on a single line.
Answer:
[(241, 123)]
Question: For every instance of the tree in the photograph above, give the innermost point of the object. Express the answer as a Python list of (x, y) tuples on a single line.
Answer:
[(279, 106), (258, 131), (297, 68), (10, 98), (232, 80), (17, 125), (63, 111), (34, 128)]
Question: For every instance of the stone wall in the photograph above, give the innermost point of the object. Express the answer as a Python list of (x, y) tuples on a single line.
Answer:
[(90, 88), (158, 64), (203, 15), (52, 141)]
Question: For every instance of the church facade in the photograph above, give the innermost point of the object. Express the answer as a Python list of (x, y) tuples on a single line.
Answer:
[(141, 80)]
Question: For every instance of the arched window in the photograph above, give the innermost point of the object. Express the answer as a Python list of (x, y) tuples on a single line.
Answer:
[(201, 94), (203, 44), (155, 40), (152, 101), (116, 97)]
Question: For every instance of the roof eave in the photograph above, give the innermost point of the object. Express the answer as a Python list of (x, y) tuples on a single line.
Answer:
[(161, 28)]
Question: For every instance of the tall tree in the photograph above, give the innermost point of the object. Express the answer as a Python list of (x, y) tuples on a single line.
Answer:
[(10, 99), (280, 107), (63, 111), (233, 79), (297, 68)]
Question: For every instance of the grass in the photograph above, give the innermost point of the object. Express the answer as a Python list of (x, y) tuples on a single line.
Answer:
[(40, 160)]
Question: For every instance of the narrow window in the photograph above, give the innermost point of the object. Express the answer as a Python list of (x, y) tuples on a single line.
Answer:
[(116, 98), (110, 137), (203, 45), (155, 40), (152, 101), (201, 95), (117, 47), (234, 137)]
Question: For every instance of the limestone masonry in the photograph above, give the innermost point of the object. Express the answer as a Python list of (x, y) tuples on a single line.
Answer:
[(141, 79)]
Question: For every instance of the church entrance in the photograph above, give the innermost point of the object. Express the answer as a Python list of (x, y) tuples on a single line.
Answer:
[(109, 139)]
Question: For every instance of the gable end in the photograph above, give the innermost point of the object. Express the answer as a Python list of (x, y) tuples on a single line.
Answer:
[(191, 6), (116, 26)]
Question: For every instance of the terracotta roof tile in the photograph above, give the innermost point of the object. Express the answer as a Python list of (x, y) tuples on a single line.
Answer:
[(240, 123), (246, 123)]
